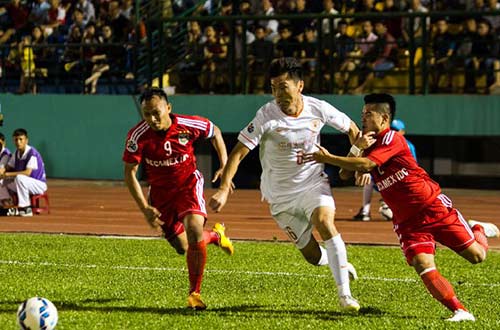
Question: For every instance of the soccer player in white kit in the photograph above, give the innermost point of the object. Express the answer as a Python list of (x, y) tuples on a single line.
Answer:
[(299, 193)]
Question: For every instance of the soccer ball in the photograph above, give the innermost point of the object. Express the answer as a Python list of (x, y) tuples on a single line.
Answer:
[(37, 314)]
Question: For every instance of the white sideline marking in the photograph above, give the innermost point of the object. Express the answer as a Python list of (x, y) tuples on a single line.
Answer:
[(217, 271)]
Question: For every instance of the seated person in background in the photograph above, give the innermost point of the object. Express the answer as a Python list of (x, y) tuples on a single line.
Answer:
[(380, 58), (4, 152), (23, 174)]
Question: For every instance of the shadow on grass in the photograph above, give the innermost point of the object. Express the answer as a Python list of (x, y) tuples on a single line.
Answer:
[(88, 305)]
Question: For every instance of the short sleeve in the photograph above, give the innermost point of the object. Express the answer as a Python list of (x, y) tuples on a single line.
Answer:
[(251, 135), (199, 127), (12, 161), (133, 150), (32, 163), (335, 118)]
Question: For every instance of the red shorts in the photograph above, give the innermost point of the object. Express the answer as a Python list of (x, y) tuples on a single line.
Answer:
[(439, 222), (175, 204)]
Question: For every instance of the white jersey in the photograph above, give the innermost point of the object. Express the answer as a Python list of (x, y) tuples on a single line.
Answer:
[(284, 139)]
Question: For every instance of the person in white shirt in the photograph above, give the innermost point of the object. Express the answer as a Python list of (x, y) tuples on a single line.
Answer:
[(299, 194)]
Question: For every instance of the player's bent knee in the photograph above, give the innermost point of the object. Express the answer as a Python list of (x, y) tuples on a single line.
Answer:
[(475, 254), (477, 258)]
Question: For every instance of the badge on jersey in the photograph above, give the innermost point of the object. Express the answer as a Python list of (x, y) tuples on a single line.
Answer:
[(250, 128), (315, 125), (183, 137), (132, 146)]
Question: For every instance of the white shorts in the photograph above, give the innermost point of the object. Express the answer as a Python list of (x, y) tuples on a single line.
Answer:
[(294, 216)]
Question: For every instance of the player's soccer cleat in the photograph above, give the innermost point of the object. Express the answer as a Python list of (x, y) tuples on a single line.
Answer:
[(385, 211), (349, 304), (490, 230), (461, 315), (353, 275), (224, 242), (361, 216), (195, 302)]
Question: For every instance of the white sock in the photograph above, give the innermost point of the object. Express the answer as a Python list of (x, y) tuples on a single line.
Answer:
[(367, 198), (337, 260), (324, 257)]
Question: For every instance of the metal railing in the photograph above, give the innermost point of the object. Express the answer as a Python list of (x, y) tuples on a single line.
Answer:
[(236, 70)]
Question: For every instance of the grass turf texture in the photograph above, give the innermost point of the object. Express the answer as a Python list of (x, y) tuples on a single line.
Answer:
[(113, 283)]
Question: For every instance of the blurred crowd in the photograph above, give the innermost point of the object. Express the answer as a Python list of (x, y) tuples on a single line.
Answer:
[(70, 37), (348, 53), (85, 40)]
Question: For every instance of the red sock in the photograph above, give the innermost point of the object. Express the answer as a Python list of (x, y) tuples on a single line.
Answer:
[(196, 259), (480, 237), (441, 290), (210, 237)]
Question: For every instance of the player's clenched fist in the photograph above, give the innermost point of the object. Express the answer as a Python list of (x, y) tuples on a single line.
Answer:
[(219, 199)]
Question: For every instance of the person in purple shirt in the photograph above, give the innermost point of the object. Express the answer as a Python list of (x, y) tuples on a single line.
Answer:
[(23, 174), (4, 152)]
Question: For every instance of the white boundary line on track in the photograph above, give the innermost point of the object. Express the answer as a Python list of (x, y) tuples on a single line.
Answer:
[(214, 271)]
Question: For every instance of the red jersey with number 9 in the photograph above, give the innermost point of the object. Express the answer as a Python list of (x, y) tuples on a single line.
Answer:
[(404, 186), (168, 156)]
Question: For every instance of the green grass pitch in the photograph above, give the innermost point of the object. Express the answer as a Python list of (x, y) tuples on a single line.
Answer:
[(116, 283)]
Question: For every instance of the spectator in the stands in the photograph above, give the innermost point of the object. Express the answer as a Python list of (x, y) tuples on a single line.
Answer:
[(309, 56), (381, 58), (96, 62), (270, 25), (286, 46), (39, 12), (120, 25), (17, 15), (213, 77), (443, 55), (190, 67), (358, 58), (482, 57), (56, 18), (260, 53), (417, 28), (299, 25), (344, 45), (88, 10), (77, 20), (393, 23), (329, 9)]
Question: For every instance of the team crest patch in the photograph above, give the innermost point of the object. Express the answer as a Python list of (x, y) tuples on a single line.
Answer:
[(132, 146), (315, 124), (250, 128), (183, 137)]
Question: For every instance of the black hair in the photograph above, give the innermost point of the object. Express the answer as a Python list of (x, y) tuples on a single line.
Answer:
[(2, 137), (20, 132), (149, 92), (376, 98), (288, 65)]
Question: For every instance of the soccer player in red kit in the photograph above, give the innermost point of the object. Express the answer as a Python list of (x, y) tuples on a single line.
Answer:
[(163, 142), (422, 214)]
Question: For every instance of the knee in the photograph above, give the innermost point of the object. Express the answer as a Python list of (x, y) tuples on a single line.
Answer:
[(477, 258)]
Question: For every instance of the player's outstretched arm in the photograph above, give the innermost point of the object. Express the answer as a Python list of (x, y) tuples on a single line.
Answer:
[(362, 142), (219, 199), (150, 213), (220, 147), (360, 164)]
